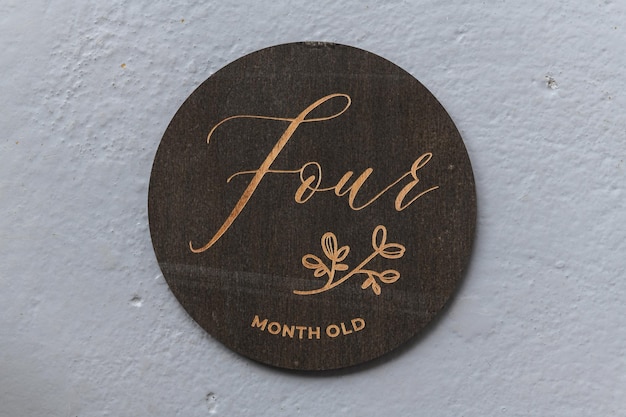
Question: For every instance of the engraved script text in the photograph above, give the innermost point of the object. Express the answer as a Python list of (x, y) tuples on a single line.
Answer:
[(311, 183)]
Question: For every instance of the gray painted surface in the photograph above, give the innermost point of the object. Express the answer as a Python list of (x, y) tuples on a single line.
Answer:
[(88, 326)]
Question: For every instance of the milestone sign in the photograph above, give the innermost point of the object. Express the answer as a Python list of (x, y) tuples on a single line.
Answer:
[(312, 206)]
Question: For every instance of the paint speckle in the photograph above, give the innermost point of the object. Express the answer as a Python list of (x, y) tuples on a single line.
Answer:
[(136, 301), (211, 402), (551, 83), (123, 66)]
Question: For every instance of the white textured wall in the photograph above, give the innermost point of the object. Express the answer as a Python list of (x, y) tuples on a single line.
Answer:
[(88, 326)]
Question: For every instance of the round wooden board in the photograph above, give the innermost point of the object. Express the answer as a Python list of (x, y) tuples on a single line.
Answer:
[(312, 206)]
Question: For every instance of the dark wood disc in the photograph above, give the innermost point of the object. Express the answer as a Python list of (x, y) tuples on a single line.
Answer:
[(312, 206)]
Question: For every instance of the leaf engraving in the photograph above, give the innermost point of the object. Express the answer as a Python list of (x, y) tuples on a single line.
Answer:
[(336, 255)]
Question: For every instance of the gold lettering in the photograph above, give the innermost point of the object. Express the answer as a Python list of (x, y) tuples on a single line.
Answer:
[(310, 185), (301, 330), (256, 322), (333, 330), (315, 333), (358, 324), (288, 330), (306, 183), (311, 182), (274, 328), (354, 188), (267, 163), (419, 163)]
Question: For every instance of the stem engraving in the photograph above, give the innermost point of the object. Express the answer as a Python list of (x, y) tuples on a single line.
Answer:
[(336, 255)]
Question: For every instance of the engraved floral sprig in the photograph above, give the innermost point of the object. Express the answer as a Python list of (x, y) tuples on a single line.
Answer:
[(336, 255)]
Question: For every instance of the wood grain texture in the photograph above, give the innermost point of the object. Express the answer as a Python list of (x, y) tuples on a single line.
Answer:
[(255, 215)]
